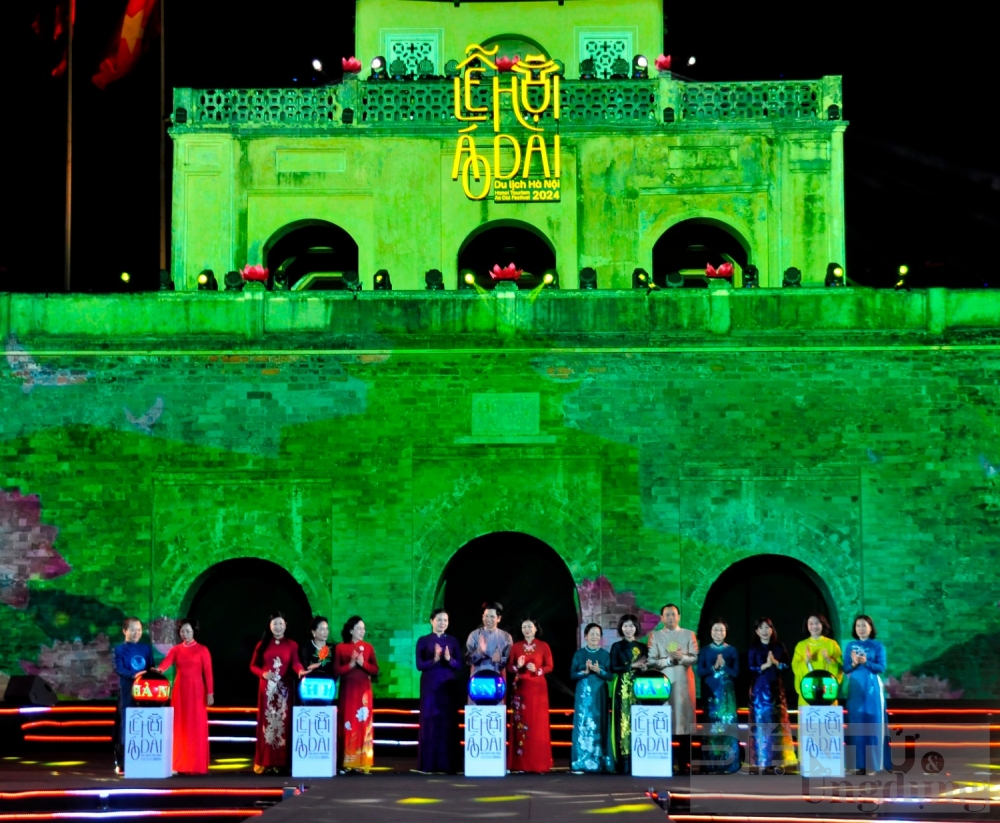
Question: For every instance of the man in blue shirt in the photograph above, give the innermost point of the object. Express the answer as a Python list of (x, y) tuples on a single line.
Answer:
[(131, 660)]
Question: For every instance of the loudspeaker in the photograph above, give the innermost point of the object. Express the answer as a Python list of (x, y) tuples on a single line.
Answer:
[(29, 690)]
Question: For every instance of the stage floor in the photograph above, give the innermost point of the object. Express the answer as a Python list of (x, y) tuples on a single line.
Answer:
[(29, 787)]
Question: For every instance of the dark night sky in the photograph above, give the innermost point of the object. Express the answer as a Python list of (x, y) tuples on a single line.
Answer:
[(923, 179)]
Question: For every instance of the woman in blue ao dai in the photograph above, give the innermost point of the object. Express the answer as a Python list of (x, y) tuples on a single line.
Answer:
[(770, 746), (591, 669), (864, 662), (718, 666)]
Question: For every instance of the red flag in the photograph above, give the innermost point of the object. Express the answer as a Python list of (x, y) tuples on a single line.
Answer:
[(139, 26), (60, 27)]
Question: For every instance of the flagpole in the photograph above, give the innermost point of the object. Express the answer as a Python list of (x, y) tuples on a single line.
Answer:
[(163, 140), (69, 146)]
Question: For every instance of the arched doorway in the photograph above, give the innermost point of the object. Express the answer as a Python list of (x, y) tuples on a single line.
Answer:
[(502, 242), (311, 247), (691, 244), (231, 602), (529, 578), (782, 588)]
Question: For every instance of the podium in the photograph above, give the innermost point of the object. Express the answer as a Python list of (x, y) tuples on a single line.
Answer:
[(821, 741), (149, 742), (485, 741), (314, 741), (652, 739)]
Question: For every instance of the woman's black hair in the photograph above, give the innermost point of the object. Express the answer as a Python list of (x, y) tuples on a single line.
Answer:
[(760, 621), (821, 618), (718, 620), (258, 655), (629, 618), (187, 621), (317, 619), (854, 626), (352, 621), (590, 626), (537, 625), (439, 610)]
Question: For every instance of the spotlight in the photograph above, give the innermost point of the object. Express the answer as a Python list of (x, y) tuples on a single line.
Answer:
[(434, 280), (588, 278), (751, 277), (317, 64), (125, 277), (166, 283), (451, 69), (347, 116), (640, 67), (550, 280), (904, 270), (397, 70), (281, 280), (587, 70), (560, 68), (233, 281), (382, 281), (834, 275), (675, 280), (378, 68), (466, 279), (792, 278), (641, 279), (352, 281), (691, 60), (207, 281)]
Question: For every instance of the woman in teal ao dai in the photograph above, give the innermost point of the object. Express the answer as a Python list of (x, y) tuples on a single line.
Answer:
[(864, 662), (719, 666), (627, 657), (591, 669)]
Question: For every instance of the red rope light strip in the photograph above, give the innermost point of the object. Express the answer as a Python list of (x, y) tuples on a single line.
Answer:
[(64, 724), (49, 793), (66, 738), (112, 815)]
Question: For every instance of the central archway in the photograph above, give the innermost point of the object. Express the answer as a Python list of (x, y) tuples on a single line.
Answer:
[(688, 246), (779, 587), (501, 242), (231, 602), (529, 578)]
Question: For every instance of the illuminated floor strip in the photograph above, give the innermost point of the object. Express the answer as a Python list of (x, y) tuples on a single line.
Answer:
[(121, 814)]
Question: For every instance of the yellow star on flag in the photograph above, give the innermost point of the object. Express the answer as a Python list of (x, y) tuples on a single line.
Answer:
[(132, 30)]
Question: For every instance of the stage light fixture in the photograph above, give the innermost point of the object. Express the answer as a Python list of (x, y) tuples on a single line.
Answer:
[(691, 60), (166, 282), (550, 280), (466, 279), (751, 277), (675, 280), (451, 69), (281, 280), (233, 281), (834, 276), (434, 280), (378, 68), (382, 282), (640, 67), (792, 278), (317, 64), (641, 279), (904, 270), (207, 281), (587, 69), (125, 277), (352, 281), (588, 278)]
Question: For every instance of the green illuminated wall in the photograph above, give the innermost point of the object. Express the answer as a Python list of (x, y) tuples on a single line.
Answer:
[(650, 440)]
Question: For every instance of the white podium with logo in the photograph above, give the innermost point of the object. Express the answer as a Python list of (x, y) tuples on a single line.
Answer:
[(314, 741), (485, 741), (821, 741), (652, 741), (149, 742)]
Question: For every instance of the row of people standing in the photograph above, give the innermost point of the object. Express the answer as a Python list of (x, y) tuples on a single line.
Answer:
[(277, 660)]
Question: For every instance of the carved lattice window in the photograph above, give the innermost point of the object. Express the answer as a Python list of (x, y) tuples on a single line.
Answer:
[(604, 48), (411, 47)]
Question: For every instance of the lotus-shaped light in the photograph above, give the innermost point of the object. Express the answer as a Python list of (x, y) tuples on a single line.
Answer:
[(351, 64), (507, 63), (258, 273), (725, 270), (663, 62), (510, 272)]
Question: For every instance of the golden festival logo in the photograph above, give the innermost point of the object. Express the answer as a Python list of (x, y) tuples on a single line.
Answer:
[(539, 178)]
